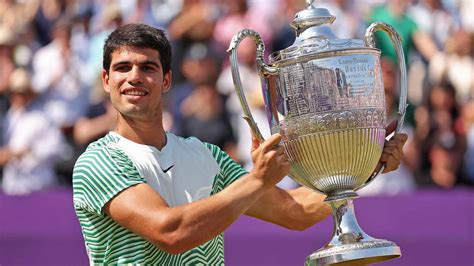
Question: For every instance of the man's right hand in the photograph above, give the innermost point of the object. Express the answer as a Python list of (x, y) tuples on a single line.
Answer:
[(270, 163)]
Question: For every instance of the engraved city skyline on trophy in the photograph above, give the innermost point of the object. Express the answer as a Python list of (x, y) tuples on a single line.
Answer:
[(328, 89), (325, 96)]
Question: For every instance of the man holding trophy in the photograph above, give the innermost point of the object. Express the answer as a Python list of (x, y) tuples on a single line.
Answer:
[(146, 196)]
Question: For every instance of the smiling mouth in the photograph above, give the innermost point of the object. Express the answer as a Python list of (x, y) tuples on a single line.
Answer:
[(135, 93)]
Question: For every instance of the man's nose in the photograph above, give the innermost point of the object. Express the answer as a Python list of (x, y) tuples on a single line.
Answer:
[(135, 75)]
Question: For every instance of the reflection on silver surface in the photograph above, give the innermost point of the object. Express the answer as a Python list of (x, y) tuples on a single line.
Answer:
[(335, 161)]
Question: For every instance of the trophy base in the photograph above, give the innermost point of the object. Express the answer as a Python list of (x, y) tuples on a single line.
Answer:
[(349, 244), (355, 254)]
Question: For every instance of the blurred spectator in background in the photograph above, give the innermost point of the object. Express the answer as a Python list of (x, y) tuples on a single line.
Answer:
[(108, 18), (32, 142), (6, 7), (464, 10), (7, 63), (14, 15), (436, 19), (196, 107), (163, 11), (394, 12), (456, 64), (48, 12), (57, 78), (205, 117), (467, 171), (59, 81), (283, 34), (81, 32), (441, 142), (238, 15), (194, 24), (98, 120), (433, 18), (200, 66), (349, 23), (18, 18), (141, 12)]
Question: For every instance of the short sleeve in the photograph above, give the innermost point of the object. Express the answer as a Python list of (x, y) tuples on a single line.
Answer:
[(230, 170), (99, 175)]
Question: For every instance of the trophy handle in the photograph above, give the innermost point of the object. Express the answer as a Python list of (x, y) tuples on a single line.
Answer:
[(396, 40), (262, 68)]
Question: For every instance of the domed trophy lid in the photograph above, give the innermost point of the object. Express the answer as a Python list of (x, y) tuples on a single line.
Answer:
[(314, 35)]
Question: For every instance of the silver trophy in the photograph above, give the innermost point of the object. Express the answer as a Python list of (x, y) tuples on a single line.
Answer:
[(325, 96)]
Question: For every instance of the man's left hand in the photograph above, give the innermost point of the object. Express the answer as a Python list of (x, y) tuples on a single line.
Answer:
[(392, 153)]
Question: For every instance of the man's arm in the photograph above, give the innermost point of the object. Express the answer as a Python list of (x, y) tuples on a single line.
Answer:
[(143, 211), (296, 209)]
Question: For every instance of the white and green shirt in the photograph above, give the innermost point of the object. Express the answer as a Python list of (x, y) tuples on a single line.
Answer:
[(185, 170)]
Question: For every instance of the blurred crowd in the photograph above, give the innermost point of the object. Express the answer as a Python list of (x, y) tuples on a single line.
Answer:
[(52, 104)]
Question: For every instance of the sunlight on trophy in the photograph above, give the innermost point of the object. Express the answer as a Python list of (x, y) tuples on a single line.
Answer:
[(325, 96)]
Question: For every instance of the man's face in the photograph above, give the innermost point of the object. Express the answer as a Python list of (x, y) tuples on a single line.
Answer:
[(136, 82)]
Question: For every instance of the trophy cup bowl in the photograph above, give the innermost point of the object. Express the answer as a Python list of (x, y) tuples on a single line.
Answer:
[(325, 96)]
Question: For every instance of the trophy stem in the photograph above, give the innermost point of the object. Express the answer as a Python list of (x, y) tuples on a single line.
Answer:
[(346, 228), (350, 245)]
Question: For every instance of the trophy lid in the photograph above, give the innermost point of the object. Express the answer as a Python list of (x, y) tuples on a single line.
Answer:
[(313, 35), (312, 16)]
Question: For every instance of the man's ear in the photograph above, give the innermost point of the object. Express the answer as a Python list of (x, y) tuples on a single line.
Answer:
[(167, 81), (105, 80)]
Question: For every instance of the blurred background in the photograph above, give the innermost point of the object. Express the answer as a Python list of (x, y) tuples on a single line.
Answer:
[(52, 106)]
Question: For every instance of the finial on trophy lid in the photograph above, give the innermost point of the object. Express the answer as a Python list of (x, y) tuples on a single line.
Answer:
[(315, 19)]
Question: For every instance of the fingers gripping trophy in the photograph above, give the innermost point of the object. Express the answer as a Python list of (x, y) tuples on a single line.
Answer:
[(325, 96)]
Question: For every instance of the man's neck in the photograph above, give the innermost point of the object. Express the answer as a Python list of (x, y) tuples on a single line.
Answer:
[(142, 132)]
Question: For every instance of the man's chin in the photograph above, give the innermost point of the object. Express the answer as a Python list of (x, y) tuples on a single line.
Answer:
[(132, 112)]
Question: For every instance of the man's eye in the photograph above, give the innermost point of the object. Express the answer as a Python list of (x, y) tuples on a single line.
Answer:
[(122, 68), (148, 68)]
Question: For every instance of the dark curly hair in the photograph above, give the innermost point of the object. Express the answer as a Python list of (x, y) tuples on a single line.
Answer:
[(140, 36)]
